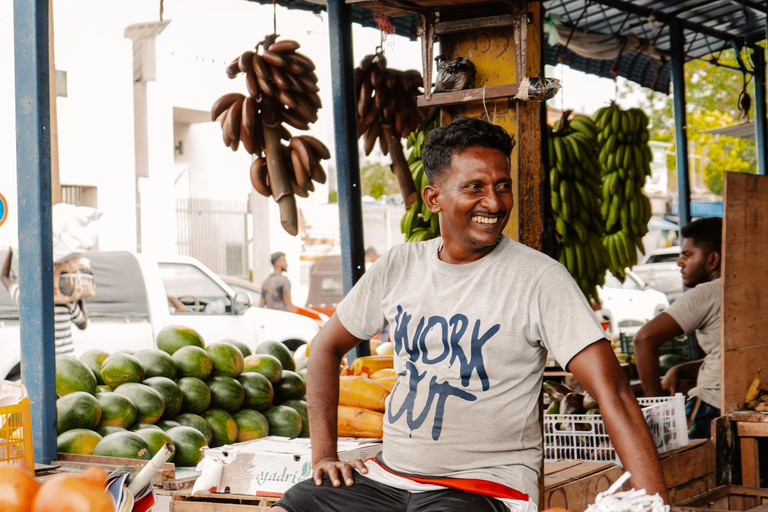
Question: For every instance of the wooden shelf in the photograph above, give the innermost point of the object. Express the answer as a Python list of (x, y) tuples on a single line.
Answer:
[(442, 99)]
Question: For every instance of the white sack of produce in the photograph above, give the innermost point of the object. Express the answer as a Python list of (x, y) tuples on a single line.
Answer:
[(627, 501), (75, 230)]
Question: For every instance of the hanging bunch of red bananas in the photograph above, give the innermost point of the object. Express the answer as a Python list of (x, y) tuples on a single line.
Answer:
[(387, 111), (282, 88)]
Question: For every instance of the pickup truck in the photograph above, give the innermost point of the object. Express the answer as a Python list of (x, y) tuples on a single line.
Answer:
[(132, 305)]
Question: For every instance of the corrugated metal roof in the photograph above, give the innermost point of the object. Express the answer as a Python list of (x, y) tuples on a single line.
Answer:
[(743, 131)]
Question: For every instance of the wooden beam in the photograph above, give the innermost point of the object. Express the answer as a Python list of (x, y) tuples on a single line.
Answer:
[(448, 27), (441, 99)]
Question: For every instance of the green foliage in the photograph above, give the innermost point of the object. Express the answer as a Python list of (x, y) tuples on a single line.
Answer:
[(377, 179), (333, 197)]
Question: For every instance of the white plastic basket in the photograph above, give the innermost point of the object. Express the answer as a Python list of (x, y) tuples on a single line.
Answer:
[(583, 437)]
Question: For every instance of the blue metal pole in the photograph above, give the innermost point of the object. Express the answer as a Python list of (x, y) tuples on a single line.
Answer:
[(677, 43), (758, 57), (347, 159), (33, 168)]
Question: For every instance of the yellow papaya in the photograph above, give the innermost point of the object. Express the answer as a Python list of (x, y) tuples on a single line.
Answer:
[(384, 372), (359, 422), (372, 364), (388, 381), (362, 392)]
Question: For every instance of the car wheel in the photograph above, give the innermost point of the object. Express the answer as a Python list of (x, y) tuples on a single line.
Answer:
[(293, 344), (15, 373)]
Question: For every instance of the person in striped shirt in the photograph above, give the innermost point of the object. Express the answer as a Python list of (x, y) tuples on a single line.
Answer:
[(63, 314)]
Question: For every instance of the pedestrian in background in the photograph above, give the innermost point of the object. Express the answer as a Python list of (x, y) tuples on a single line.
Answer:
[(276, 290)]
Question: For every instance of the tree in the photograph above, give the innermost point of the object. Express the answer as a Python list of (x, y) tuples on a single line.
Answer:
[(376, 180)]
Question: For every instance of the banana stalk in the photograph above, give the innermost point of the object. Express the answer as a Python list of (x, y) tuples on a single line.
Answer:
[(400, 167), (279, 182)]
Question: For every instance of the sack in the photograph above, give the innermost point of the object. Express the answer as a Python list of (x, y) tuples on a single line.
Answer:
[(72, 281), (75, 230)]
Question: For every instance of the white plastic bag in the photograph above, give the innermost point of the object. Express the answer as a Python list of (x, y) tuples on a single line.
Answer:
[(75, 230)]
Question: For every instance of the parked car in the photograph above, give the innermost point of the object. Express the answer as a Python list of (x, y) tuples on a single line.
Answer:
[(326, 288), (629, 304), (132, 306), (254, 292), (660, 271)]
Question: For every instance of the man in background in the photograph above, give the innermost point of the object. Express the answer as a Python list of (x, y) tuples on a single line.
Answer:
[(276, 290), (698, 309)]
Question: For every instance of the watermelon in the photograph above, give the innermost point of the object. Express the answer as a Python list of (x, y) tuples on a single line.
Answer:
[(171, 393), (250, 425), (303, 374), (149, 403), (128, 445), (223, 427), (73, 375), (241, 346), (156, 363), (142, 426), (198, 423), (226, 393), (227, 360), (94, 359), (103, 388), (265, 364), (197, 395), (167, 424), (80, 440), (300, 406), (188, 442), (283, 421), (155, 440), (120, 368), (109, 429), (302, 365), (280, 351), (290, 387), (172, 338), (193, 361), (77, 410), (258, 391), (116, 410)]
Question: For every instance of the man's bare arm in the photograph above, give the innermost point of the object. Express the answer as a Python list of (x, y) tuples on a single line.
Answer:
[(646, 343), (598, 371), (5, 273), (326, 351), (289, 307), (687, 371), (82, 325)]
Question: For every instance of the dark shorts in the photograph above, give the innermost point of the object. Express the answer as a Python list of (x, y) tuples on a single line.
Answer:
[(372, 496), (700, 415)]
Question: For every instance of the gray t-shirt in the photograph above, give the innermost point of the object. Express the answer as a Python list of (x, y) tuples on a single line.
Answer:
[(699, 309), (274, 289), (470, 347)]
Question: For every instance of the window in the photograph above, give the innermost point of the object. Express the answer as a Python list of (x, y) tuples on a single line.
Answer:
[(664, 258), (331, 286), (194, 289)]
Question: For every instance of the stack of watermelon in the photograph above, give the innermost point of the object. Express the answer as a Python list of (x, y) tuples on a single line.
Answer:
[(192, 395)]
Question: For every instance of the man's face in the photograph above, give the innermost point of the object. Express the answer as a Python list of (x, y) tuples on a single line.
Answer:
[(282, 264), (474, 198), (693, 264)]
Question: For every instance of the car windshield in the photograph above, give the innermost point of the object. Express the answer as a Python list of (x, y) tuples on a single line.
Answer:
[(629, 283), (194, 289), (663, 258)]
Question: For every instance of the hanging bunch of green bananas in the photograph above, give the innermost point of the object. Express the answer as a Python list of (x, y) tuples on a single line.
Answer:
[(625, 161), (576, 195), (418, 223)]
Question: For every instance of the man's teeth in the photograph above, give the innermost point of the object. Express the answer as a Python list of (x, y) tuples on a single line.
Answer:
[(485, 220)]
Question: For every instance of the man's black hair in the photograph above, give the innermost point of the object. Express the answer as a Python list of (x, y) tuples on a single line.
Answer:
[(462, 133), (706, 233), (275, 256)]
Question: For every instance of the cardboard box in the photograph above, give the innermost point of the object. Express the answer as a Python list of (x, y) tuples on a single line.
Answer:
[(574, 485), (271, 465)]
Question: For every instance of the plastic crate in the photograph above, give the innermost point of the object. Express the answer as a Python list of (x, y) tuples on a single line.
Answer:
[(583, 436), (684, 346), (16, 435)]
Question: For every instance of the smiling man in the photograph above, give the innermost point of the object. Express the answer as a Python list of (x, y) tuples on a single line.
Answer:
[(698, 309), (472, 315)]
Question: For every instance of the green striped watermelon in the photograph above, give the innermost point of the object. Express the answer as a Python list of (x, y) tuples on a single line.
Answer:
[(155, 440), (226, 393), (142, 426), (290, 387), (198, 423), (73, 375), (120, 368), (116, 410), (223, 426), (167, 424), (283, 421), (94, 359), (156, 363), (192, 361), (77, 410), (302, 365), (265, 364), (171, 393), (258, 391), (172, 338), (188, 442), (80, 440), (303, 374), (241, 346), (300, 406), (103, 389), (109, 429), (149, 403), (197, 395), (280, 351), (227, 360), (128, 445), (250, 425)]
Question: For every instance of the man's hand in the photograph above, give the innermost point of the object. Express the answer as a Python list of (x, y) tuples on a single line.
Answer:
[(684, 371), (671, 381), (646, 344), (333, 466)]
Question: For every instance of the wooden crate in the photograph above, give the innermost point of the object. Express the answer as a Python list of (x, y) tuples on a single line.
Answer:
[(183, 501), (689, 471), (109, 464), (726, 498), (574, 485)]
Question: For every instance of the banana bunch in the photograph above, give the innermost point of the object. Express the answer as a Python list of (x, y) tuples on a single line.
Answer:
[(282, 88), (576, 195), (418, 222), (387, 111), (625, 161), (756, 397)]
